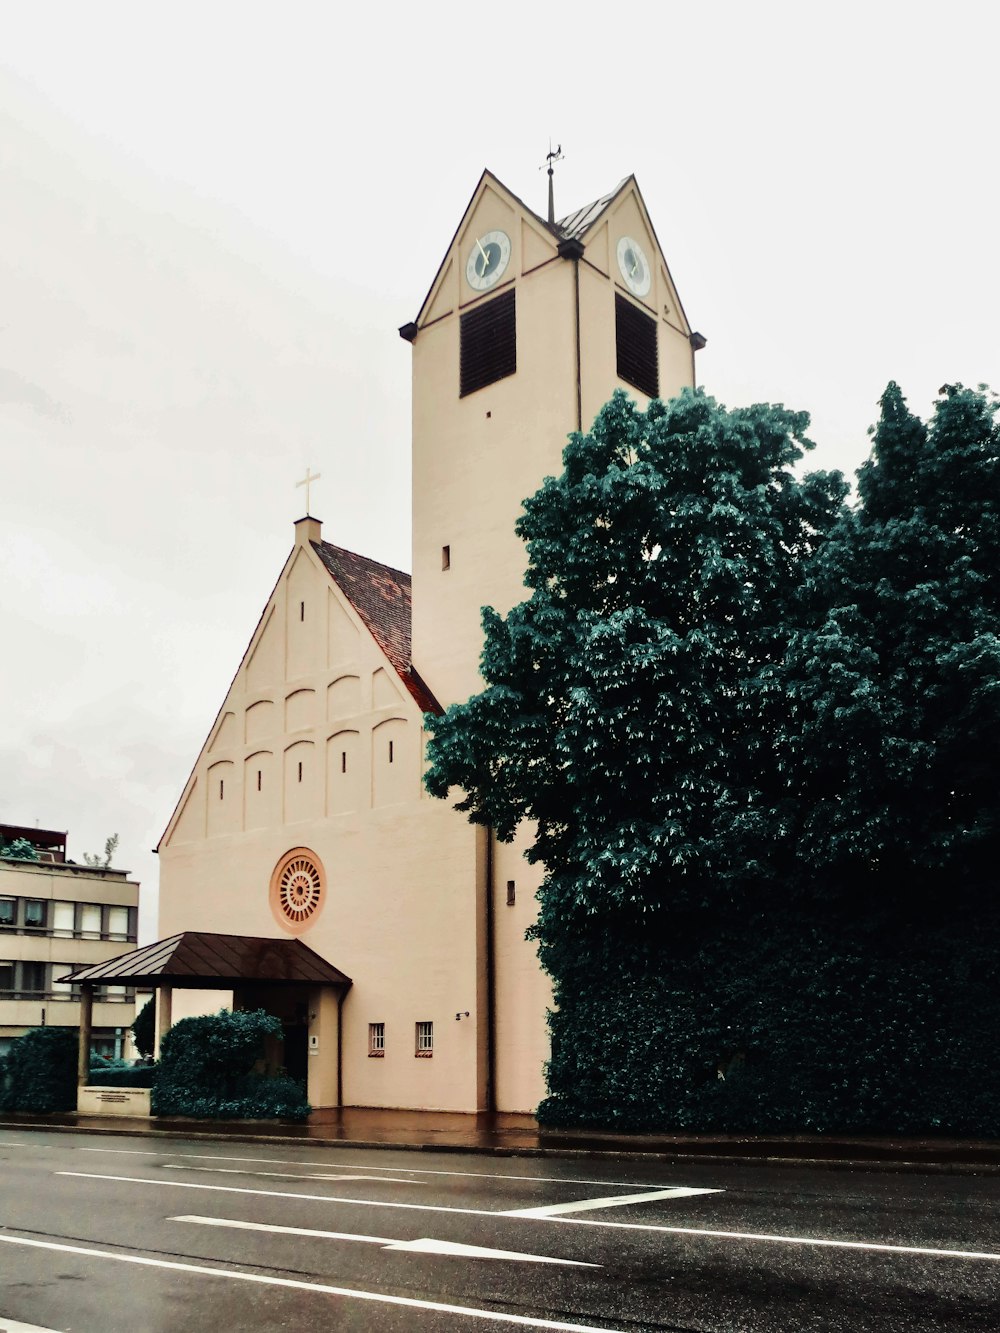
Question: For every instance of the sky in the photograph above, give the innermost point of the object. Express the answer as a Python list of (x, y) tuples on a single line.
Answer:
[(215, 216)]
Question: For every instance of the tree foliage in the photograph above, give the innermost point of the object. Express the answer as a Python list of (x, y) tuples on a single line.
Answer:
[(144, 1027), (18, 849), (102, 861), (755, 732)]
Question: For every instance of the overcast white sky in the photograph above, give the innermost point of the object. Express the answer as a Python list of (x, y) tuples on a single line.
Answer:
[(214, 216)]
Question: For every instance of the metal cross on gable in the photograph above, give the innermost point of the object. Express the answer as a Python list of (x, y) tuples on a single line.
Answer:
[(307, 481)]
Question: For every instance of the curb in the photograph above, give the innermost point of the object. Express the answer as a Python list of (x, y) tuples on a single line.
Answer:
[(872, 1164)]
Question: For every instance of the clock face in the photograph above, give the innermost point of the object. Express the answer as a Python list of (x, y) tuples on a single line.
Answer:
[(634, 266), (488, 260)]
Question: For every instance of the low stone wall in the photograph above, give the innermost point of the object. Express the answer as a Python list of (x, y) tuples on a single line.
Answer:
[(113, 1101)]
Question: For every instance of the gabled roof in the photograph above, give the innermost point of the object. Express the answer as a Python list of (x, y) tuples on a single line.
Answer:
[(196, 958), (576, 223), (382, 598)]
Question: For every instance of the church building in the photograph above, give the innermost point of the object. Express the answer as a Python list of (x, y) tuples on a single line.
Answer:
[(304, 818)]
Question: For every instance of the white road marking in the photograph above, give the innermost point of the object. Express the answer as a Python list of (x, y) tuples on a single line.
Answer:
[(426, 1245), (410, 1170), (284, 1175), (611, 1201), (12, 1326), (562, 1221), (321, 1289)]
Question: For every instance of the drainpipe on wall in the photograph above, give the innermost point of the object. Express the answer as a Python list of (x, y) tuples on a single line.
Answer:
[(572, 248), (491, 1005), (340, 1046)]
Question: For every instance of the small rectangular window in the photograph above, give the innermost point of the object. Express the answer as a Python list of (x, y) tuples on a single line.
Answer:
[(35, 914), (425, 1039), (302, 610), (343, 761), (6, 977), (376, 1040), (62, 990), (510, 893), (390, 752), (8, 911), (488, 344), (258, 779), (446, 557), (300, 770), (221, 788), (635, 339)]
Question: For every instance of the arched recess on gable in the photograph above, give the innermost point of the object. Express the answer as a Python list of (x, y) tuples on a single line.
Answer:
[(344, 777), (394, 771), (303, 796), (261, 790), (343, 698), (259, 721), (300, 710), (223, 805)]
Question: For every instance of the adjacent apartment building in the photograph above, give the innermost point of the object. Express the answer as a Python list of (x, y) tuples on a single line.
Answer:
[(55, 916)]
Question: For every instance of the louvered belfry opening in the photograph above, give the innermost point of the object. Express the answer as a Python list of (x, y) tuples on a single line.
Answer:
[(635, 337), (489, 343)]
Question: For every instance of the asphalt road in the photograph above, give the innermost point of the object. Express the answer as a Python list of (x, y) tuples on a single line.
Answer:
[(104, 1234)]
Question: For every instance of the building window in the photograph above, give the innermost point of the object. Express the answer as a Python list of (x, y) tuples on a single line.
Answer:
[(63, 920), (511, 892), (6, 978), (117, 923), (488, 344), (635, 340), (8, 911), (63, 990), (300, 770), (36, 914), (390, 752), (33, 978), (425, 1040), (446, 557), (298, 883), (221, 788), (302, 610), (343, 761), (90, 921), (376, 1040), (258, 779)]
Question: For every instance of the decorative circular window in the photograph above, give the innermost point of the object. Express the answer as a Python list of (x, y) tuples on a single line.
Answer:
[(298, 886)]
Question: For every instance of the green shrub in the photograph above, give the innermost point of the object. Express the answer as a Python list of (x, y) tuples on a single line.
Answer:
[(206, 1070), (144, 1027), (127, 1076), (39, 1071)]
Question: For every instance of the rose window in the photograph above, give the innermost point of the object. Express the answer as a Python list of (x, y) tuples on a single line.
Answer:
[(297, 889)]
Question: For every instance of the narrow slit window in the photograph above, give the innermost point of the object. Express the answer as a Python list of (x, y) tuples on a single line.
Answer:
[(302, 610), (222, 788), (258, 779), (511, 892), (343, 761), (446, 557), (390, 752), (300, 770), (425, 1039)]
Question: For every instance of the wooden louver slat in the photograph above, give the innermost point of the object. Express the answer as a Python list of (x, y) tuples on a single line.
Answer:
[(488, 343), (635, 336)]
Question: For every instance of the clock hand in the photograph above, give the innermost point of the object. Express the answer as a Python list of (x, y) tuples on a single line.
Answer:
[(486, 258)]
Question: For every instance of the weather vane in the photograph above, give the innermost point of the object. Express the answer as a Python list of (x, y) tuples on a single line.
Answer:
[(307, 481), (551, 158)]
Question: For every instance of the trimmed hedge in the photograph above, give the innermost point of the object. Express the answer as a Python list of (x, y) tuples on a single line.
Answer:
[(771, 1026), (127, 1076), (206, 1070), (39, 1071)]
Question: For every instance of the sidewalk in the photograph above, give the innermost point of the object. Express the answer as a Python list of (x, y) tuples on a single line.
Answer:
[(521, 1135)]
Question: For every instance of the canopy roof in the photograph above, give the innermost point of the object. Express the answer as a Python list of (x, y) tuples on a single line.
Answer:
[(199, 959)]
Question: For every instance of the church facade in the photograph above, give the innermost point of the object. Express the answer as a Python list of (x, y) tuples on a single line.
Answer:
[(304, 815)]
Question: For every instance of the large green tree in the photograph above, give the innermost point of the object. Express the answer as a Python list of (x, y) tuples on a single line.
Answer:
[(897, 683)]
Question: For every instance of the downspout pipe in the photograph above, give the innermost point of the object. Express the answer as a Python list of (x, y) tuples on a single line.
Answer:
[(572, 248), (491, 998)]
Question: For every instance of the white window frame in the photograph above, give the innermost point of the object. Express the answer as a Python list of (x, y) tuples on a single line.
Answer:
[(376, 1041), (424, 1047)]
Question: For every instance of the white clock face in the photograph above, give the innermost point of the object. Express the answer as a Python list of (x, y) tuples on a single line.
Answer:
[(488, 260), (634, 266)]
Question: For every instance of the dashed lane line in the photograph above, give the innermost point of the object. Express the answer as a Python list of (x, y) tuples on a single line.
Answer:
[(609, 1201)]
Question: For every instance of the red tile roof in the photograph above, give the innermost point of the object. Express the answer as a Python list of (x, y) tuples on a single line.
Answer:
[(381, 597)]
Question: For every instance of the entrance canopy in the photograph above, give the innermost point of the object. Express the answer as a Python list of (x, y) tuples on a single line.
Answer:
[(197, 959)]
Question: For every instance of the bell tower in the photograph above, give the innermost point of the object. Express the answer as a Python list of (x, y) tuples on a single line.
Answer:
[(527, 329)]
